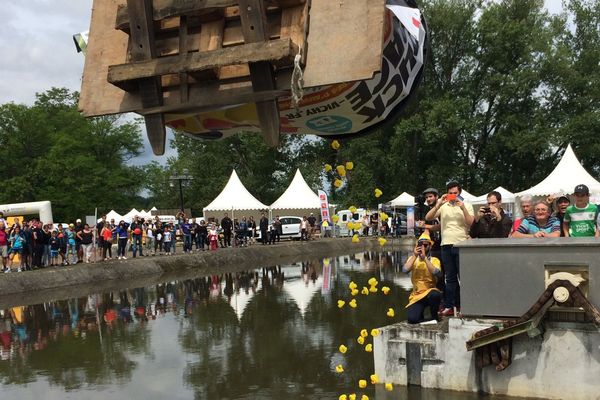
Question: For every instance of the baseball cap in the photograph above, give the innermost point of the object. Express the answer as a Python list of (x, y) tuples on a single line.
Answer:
[(431, 190), (581, 189), (562, 199), (78, 220)]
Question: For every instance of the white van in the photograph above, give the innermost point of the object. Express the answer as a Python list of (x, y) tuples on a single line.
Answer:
[(345, 216)]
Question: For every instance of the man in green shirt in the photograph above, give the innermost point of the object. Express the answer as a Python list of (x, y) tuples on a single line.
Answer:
[(580, 218)]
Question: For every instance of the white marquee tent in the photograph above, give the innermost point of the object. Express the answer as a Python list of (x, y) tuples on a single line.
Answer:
[(467, 196), (234, 198), (562, 180), (298, 199), (507, 197), (404, 200)]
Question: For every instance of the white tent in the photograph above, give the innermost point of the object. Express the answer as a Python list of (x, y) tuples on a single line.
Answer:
[(129, 216), (404, 200), (112, 214), (233, 197), (298, 195), (467, 196), (507, 197), (562, 180)]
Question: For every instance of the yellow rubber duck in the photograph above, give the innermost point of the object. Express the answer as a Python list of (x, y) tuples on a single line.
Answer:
[(335, 219), (375, 332), (372, 282), (365, 291), (352, 209), (343, 349), (352, 396), (341, 170), (354, 292), (362, 383), (360, 340), (373, 289), (352, 303), (339, 368), (369, 348), (374, 379), (341, 303), (389, 387), (352, 285), (343, 397), (335, 145), (382, 241), (349, 165), (328, 167), (337, 183), (364, 333), (390, 312), (355, 239), (364, 397), (378, 193), (385, 290)]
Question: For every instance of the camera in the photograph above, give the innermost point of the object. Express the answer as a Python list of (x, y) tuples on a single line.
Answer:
[(487, 210)]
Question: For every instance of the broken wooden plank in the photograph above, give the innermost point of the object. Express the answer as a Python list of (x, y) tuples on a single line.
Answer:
[(142, 48), (282, 50), (342, 32), (202, 100), (175, 8), (254, 28)]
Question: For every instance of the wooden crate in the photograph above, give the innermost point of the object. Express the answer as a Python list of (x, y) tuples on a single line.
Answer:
[(182, 56)]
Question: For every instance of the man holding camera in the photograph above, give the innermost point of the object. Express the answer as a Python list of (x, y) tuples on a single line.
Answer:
[(456, 218), (491, 221)]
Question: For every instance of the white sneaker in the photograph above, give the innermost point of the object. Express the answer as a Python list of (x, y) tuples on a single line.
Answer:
[(124, 258), (19, 269)]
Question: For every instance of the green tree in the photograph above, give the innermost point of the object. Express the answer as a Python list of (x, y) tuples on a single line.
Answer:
[(50, 152)]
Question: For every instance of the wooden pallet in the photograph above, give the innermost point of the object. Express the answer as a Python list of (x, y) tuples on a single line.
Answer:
[(187, 56)]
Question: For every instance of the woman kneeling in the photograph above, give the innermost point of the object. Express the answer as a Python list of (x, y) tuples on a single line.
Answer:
[(425, 272)]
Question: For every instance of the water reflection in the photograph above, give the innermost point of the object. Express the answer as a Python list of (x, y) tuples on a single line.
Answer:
[(259, 334)]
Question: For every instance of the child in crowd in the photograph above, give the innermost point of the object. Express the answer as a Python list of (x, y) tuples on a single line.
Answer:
[(54, 247), (167, 238)]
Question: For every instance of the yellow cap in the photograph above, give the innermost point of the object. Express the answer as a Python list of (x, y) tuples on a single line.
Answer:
[(425, 238)]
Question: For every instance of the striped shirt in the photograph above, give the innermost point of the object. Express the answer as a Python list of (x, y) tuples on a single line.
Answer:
[(530, 226)]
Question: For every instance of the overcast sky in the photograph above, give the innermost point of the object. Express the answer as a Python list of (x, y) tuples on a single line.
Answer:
[(37, 50)]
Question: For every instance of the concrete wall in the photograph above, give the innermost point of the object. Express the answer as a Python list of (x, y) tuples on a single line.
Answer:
[(564, 363), (505, 277)]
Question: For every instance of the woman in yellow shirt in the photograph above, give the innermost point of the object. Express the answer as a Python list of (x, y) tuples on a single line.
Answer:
[(425, 271)]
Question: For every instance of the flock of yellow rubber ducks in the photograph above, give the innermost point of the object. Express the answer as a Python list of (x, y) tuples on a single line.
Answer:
[(342, 171), (363, 335)]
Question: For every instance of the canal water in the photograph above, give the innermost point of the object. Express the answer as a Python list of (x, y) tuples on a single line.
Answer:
[(271, 333)]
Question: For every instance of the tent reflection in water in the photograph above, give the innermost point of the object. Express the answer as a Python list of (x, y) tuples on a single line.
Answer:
[(302, 289)]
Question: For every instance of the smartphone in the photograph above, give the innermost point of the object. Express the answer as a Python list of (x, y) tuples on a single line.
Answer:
[(451, 197), (460, 198)]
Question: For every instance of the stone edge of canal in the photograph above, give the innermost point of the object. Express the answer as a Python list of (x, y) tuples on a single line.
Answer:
[(32, 287)]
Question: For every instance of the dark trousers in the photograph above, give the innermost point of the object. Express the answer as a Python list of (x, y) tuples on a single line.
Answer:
[(38, 253), (227, 237), (200, 241), (106, 247), (121, 245), (415, 313), (264, 236), (451, 264)]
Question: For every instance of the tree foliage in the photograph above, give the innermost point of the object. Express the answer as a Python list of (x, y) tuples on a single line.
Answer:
[(50, 152)]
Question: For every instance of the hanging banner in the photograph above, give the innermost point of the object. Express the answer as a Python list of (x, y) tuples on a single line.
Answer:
[(324, 206), (410, 221)]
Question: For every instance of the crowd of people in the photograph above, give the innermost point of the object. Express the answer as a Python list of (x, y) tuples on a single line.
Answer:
[(36, 245), (434, 262)]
